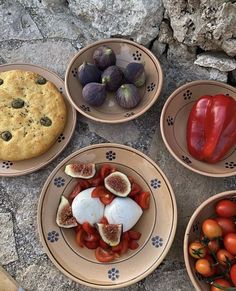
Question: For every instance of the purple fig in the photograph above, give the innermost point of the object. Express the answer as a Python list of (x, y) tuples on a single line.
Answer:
[(112, 77), (104, 57), (135, 74), (94, 94), (127, 96), (88, 73)]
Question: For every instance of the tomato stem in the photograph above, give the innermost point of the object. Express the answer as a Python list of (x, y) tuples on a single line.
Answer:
[(224, 288)]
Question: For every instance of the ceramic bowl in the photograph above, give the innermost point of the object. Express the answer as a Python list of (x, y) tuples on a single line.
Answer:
[(157, 224), (126, 51), (173, 123), (193, 232)]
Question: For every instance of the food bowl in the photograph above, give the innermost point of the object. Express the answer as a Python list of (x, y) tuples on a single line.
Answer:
[(157, 224), (173, 124), (126, 51), (193, 232)]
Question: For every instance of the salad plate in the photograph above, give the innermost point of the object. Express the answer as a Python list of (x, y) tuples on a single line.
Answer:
[(157, 224), (17, 168)]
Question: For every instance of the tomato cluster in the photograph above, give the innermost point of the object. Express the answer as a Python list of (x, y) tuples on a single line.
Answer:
[(88, 236), (215, 250)]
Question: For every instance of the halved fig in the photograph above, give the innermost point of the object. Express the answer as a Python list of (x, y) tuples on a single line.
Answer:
[(110, 233), (64, 214), (118, 184), (80, 170)]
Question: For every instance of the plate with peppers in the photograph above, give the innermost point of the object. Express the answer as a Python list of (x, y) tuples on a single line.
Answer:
[(198, 126), (107, 216)]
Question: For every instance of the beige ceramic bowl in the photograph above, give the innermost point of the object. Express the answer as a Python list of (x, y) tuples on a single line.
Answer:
[(193, 232), (173, 124), (157, 224), (126, 51)]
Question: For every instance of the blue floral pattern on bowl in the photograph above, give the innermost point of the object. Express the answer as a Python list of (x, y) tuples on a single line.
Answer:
[(113, 274), (59, 182), (155, 183), (110, 155), (53, 236), (7, 164), (157, 241)]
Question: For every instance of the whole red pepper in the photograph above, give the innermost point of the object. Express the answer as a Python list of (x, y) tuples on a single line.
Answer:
[(211, 129)]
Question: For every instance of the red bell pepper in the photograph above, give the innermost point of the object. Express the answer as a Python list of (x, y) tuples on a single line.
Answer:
[(211, 128)]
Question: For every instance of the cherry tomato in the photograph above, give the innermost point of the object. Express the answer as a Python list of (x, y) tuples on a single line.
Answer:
[(89, 228), (223, 256), (104, 255), (74, 193), (213, 245), (125, 243), (233, 274), (103, 244), (135, 189), (88, 237), (197, 250), (106, 170), (220, 282), (79, 237), (227, 225), (226, 208), (133, 245), (107, 199), (133, 234), (103, 194), (77, 228), (143, 199), (117, 248), (211, 229), (203, 267), (95, 181), (230, 243), (84, 184), (91, 244)]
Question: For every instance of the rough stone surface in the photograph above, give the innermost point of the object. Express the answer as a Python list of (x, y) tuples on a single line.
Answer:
[(8, 252), (138, 19), (215, 60), (47, 33), (208, 24)]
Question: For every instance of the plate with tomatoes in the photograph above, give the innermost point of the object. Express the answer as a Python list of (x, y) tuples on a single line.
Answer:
[(107, 216), (210, 244)]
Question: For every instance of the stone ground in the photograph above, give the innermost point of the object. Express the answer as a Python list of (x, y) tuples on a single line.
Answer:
[(49, 36)]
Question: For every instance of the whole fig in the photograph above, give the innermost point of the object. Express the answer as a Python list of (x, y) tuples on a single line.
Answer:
[(104, 57), (94, 94), (127, 96), (112, 77), (88, 73), (135, 74)]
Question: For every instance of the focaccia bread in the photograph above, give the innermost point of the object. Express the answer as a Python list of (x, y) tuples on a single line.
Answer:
[(33, 115)]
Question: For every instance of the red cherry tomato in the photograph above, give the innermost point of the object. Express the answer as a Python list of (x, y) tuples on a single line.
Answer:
[(103, 194), (211, 229), (230, 243), (133, 234), (135, 189), (133, 245), (227, 225), (213, 245), (88, 228), (143, 199), (226, 208), (79, 237), (91, 237), (197, 250), (117, 248), (233, 274), (92, 245), (107, 199), (106, 170), (220, 282), (104, 255), (223, 256), (204, 267)]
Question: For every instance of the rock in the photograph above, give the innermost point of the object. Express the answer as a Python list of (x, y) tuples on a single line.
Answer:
[(138, 19), (49, 55), (8, 252), (158, 48), (216, 60), (181, 53), (207, 24), (16, 23), (232, 78), (165, 33)]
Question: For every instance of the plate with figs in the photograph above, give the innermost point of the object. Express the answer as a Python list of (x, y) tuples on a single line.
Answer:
[(113, 80), (99, 216)]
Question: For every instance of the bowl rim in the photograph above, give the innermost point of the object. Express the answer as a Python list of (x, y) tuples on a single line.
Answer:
[(107, 41), (189, 225), (168, 101)]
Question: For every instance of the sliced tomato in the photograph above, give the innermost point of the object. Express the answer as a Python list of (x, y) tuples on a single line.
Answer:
[(104, 220), (79, 237), (88, 228), (75, 192), (103, 244), (91, 237), (117, 248), (95, 181), (77, 228), (107, 199), (133, 234), (103, 255), (103, 194), (91, 244), (143, 199), (84, 184), (105, 170), (133, 245), (125, 243), (135, 189)]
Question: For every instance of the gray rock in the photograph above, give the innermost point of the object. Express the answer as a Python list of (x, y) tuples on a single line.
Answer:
[(139, 19), (232, 78), (229, 46), (158, 48), (219, 61), (165, 33), (49, 55), (208, 24), (16, 23), (181, 53), (8, 252)]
